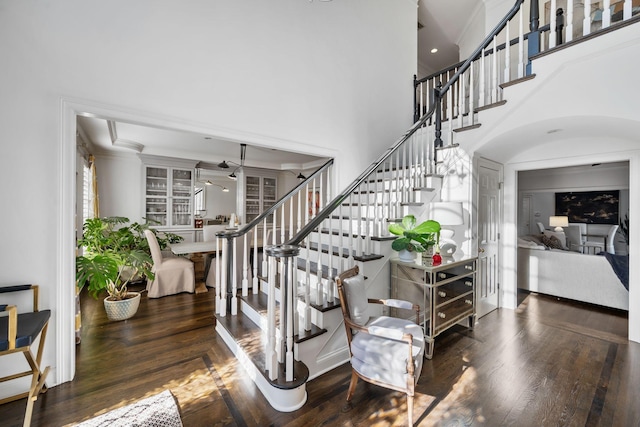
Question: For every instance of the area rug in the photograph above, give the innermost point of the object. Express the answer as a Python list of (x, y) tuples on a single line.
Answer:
[(159, 410)]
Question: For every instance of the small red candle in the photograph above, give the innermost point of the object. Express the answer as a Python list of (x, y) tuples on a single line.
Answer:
[(437, 259)]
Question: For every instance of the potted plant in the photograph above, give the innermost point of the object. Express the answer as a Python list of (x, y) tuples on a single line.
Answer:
[(414, 238), (114, 255)]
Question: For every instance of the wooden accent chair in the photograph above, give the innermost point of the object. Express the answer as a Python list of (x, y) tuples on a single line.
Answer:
[(18, 332), (384, 350), (172, 274)]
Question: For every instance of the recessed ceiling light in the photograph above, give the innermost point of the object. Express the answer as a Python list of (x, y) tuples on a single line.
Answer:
[(207, 137), (434, 50), (554, 130)]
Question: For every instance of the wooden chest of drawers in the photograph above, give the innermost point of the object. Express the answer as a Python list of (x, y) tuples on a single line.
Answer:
[(446, 293)]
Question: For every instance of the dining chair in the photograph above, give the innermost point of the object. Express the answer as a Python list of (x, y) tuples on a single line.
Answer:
[(172, 274), (574, 238), (18, 332), (600, 246), (385, 351)]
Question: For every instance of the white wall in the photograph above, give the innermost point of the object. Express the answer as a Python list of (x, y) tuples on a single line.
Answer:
[(326, 78)]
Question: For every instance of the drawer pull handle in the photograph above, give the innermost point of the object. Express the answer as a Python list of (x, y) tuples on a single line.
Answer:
[(442, 294), (442, 315), (442, 276), (468, 283), (468, 267), (468, 301)]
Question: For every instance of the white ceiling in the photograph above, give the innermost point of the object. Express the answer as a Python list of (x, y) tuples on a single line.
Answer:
[(121, 137), (104, 137), (442, 29)]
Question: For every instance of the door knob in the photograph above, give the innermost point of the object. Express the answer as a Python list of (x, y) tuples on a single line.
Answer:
[(481, 250)]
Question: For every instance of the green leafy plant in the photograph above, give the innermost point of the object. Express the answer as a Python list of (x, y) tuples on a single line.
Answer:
[(414, 238), (114, 254)]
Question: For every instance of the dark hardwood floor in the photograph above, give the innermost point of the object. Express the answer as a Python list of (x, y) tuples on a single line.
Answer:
[(549, 363)]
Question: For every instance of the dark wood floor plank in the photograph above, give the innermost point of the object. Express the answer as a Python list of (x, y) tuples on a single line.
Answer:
[(551, 362)]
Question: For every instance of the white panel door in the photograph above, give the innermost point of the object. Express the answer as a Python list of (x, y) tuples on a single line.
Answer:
[(489, 225)]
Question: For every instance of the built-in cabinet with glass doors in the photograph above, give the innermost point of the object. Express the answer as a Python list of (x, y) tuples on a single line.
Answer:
[(260, 194), (168, 194)]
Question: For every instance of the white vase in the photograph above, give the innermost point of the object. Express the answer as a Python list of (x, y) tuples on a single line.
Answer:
[(122, 309), (406, 256)]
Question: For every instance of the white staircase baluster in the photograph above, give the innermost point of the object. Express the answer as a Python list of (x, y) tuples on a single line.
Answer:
[(569, 28), (299, 215), (245, 265), (223, 278), (255, 283), (606, 13), (461, 102), (350, 239), (507, 54), (494, 72), (521, 63), (330, 255), (482, 100), (627, 9), (288, 316), (319, 291), (586, 22), (218, 281), (397, 189), (271, 362), (265, 225), (234, 283), (552, 25), (450, 102), (471, 96)]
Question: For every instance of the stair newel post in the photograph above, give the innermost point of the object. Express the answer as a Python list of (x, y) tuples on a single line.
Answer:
[(271, 361), (255, 283), (560, 25), (437, 98), (224, 272), (219, 303), (289, 310), (534, 35)]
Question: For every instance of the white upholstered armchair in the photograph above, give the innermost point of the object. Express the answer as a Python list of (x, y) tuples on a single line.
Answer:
[(385, 351)]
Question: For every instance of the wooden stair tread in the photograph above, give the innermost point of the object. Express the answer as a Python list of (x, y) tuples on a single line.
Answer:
[(466, 128), (250, 338), (345, 252), (492, 105), (516, 81)]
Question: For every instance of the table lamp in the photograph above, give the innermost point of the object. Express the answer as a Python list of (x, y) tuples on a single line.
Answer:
[(447, 213), (558, 222)]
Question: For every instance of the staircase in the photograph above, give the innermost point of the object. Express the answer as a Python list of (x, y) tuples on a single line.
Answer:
[(282, 318)]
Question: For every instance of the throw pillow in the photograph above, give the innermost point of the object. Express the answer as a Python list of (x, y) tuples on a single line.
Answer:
[(558, 235), (552, 242)]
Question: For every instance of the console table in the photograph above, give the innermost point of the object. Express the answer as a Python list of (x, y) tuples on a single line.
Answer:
[(446, 293)]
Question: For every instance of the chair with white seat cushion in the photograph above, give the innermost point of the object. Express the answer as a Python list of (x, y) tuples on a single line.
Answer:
[(385, 351), (172, 275), (600, 246)]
